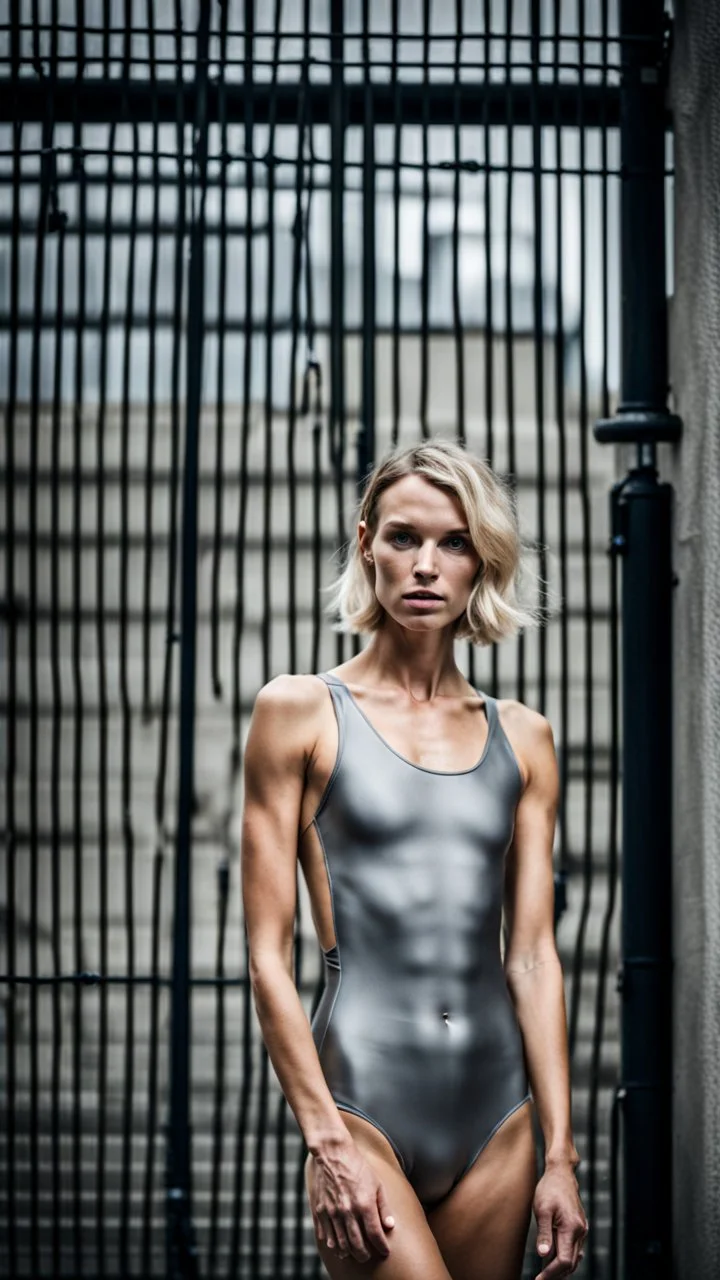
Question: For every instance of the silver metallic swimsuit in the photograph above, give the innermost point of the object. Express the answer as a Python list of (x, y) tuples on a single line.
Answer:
[(416, 1031)]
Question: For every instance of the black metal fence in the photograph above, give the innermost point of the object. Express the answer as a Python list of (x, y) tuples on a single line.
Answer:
[(244, 248)]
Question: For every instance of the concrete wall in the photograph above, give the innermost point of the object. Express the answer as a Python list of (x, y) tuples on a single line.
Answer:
[(694, 468)]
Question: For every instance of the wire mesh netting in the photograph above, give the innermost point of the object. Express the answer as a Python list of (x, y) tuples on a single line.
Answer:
[(247, 247)]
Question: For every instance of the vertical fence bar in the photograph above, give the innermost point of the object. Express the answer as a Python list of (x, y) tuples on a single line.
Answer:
[(488, 322), (366, 437), (457, 312), (151, 408), (103, 711), (614, 552), (509, 362), (269, 370), (508, 335), (337, 270), (219, 490), (223, 885), (171, 634), (425, 271), (56, 850), (642, 520), (282, 1227), (588, 871), (489, 334), (127, 719), (588, 608), (79, 992), (298, 235), (223, 867), (247, 1068), (46, 223), (12, 619), (148, 712), (312, 404), (560, 414), (266, 552), (397, 158), (539, 337), (182, 1253)]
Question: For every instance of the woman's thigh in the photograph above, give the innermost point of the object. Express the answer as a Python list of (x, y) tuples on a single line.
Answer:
[(481, 1226), (414, 1253)]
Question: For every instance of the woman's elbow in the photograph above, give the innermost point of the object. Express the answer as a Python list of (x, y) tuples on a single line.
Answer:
[(536, 961), (267, 964)]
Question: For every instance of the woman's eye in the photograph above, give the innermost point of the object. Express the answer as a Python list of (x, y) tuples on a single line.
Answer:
[(397, 537), (458, 543)]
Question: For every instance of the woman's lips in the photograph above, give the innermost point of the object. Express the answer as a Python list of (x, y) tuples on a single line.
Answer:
[(422, 602)]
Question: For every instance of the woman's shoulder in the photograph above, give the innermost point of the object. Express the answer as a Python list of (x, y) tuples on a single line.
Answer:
[(529, 732), (288, 694), (525, 719), (286, 720)]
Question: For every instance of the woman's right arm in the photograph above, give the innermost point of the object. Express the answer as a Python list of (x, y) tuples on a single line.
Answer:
[(347, 1201)]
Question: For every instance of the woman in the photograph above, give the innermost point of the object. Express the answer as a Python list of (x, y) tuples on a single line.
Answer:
[(419, 809)]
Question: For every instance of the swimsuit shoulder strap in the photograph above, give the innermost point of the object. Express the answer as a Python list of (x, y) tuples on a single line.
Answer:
[(490, 705)]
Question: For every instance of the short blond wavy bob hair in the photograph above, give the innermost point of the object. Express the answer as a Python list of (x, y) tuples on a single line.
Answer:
[(494, 609)]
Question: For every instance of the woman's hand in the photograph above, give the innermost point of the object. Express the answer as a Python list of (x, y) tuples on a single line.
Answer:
[(562, 1225), (347, 1199)]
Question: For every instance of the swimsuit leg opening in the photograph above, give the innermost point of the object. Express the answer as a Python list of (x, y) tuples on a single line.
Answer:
[(491, 1135), (363, 1115)]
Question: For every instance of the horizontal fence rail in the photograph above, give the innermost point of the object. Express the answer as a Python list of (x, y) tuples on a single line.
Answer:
[(237, 263)]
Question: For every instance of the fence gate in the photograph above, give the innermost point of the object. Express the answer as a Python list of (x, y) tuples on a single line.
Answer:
[(244, 248)]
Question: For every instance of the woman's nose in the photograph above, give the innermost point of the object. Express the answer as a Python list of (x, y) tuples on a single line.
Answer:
[(425, 565)]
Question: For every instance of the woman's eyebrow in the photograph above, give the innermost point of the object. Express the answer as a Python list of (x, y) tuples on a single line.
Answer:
[(406, 524)]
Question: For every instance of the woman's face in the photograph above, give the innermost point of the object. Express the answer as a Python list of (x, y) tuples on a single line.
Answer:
[(421, 545)]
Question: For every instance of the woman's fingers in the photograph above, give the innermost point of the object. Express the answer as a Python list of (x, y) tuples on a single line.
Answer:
[(580, 1243), (325, 1231), (565, 1255), (561, 1264), (352, 1220), (358, 1233), (356, 1240), (386, 1218), (374, 1227), (339, 1229)]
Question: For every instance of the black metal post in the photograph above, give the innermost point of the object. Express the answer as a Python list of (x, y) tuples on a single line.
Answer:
[(181, 1247), (641, 508)]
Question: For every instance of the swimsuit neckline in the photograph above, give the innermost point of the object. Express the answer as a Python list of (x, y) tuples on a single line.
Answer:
[(442, 773)]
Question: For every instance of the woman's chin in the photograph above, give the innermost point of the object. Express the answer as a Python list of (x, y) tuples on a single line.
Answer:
[(430, 622)]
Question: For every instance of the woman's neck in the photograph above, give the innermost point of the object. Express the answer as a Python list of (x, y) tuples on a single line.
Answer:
[(423, 665)]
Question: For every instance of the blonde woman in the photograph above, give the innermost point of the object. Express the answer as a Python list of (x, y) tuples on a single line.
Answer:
[(419, 808)]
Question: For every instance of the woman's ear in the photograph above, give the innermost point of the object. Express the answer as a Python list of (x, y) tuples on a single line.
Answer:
[(364, 540)]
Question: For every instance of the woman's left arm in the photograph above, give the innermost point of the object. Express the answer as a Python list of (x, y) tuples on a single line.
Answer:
[(535, 980)]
